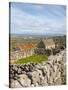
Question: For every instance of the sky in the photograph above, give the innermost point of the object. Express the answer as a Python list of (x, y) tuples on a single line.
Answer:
[(38, 19)]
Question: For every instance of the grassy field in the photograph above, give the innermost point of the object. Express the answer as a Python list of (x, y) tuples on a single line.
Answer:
[(33, 59)]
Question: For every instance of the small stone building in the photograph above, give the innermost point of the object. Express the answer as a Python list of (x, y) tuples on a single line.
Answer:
[(27, 49), (49, 43), (22, 51)]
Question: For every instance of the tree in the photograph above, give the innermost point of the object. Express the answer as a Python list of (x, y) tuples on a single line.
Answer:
[(41, 44)]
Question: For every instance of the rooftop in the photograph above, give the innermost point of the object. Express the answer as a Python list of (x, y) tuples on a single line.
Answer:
[(26, 46)]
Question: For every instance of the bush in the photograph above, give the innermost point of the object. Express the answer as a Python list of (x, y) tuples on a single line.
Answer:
[(39, 51), (43, 51), (55, 51), (41, 44)]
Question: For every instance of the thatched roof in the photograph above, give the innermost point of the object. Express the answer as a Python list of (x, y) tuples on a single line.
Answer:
[(26, 46)]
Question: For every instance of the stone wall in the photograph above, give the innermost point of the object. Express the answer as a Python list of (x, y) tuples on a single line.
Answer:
[(51, 72), (18, 54)]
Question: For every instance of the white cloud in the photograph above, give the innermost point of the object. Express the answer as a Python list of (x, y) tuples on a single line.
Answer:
[(22, 22), (38, 7)]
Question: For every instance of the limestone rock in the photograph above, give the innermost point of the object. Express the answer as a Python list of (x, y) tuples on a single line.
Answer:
[(24, 80), (15, 84), (19, 71)]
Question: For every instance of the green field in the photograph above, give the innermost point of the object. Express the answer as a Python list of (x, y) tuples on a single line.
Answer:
[(33, 59)]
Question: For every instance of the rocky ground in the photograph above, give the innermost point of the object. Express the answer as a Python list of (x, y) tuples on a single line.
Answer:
[(51, 72)]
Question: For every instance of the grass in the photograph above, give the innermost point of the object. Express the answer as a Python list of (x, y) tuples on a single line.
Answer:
[(32, 59)]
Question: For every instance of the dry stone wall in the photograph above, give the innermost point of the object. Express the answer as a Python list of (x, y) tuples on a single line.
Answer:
[(51, 72)]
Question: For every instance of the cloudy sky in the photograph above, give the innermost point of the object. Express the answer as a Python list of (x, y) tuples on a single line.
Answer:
[(37, 19)]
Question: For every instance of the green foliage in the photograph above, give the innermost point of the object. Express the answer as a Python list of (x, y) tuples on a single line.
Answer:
[(60, 41), (33, 58), (41, 44), (13, 44)]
